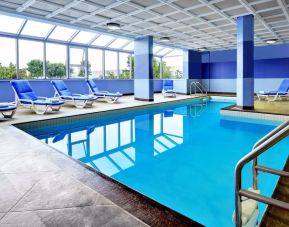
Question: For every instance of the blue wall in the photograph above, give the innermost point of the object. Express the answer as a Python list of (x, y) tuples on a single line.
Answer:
[(271, 66), (44, 88)]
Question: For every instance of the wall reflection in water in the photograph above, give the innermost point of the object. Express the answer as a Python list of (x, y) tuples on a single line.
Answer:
[(116, 146)]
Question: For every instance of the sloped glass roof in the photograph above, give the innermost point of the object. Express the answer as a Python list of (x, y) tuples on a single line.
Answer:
[(102, 40), (84, 37), (37, 29), (62, 33), (118, 43), (10, 24)]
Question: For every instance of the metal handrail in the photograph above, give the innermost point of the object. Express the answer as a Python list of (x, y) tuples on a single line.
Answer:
[(198, 86), (259, 148)]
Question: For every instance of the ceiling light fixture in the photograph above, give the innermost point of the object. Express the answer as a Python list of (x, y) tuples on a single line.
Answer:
[(165, 39), (271, 41), (202, 49), (113, 26)]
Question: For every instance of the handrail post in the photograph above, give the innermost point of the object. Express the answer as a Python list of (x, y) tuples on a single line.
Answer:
[(238, 186), (255, 174)]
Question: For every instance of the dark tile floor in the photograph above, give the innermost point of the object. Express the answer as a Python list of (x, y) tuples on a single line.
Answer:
[(37, 192)]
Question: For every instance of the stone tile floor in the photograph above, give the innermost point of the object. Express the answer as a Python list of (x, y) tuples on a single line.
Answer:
[(35, 191), (42, 187)]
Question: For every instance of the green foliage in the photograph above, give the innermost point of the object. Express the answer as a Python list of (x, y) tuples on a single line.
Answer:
[(8, 72), (110, 75), (56, 70), (35, 68)]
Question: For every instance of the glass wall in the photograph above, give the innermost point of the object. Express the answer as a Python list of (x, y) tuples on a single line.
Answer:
[(89, 53), (55, 61), (7, 58), (95, 59), (77, 62), (31, 59), (111, 65), (124, 65)]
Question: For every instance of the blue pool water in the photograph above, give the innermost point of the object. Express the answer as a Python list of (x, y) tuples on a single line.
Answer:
[(181, 156)]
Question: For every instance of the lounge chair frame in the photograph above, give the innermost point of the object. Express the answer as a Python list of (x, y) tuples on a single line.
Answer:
[(30, 104), (9, 113), (80, 104)]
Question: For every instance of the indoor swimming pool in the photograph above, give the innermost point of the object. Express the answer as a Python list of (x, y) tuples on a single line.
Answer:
[(182, 156)]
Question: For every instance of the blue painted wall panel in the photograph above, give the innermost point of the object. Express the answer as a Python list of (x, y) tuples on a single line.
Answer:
[(44, 87)]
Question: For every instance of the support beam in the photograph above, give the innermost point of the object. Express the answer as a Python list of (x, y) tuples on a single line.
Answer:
[(143, 69), (245, 62), (25, 5)]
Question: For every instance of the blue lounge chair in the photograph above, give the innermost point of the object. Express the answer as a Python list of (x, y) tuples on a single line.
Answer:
[(79, 100), (108, 96), (168, 88), (8, 109), (283, 91), (26, 97)]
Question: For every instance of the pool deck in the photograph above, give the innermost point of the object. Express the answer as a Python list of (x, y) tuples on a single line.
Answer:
[(41, 186)]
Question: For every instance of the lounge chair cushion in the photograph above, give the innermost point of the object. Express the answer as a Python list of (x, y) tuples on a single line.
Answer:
[(4, 108), (96, 91), (23, 89), (47, 102), (79, 97), (61, 88), (168, 85)]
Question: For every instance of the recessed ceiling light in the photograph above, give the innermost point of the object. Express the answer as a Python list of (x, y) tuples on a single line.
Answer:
[(165, 39), (271, 41), (113, 26), (202, 49)]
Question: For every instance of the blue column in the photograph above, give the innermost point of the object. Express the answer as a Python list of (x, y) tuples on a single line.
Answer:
[(192, 69), (143, 69), (192, 64), (245, 62)]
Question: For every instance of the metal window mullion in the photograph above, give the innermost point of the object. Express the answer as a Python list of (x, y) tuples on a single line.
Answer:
[(44, 61), (161, 68), (103, 64), (67, 61), (130, 67), (86, 63), (17, 58), (118, 70)]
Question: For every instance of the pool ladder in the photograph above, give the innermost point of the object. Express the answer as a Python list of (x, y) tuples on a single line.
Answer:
[(197, 88), (272, 138)]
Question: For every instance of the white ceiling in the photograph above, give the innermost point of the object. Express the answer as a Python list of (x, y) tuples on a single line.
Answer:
[(189, 23)]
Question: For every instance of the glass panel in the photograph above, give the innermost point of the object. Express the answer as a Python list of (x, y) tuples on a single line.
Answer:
[(38, 29), (10, 24), (7, 60), (95, 63), (176, 52), (157, 48), (156, 67), (124, 65), (110, 64), (30, 62), (77, 63), (56, 60), (102, 40), (118, 43), (83, 37), (62, 33), (172, 67), (129, 47), (164, 51)]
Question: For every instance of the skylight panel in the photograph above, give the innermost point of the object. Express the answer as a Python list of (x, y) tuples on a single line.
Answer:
[(118, 43), (84, 37), (102, 40), (164, 51), (10, 24), (129, 47), (156, 49), (62, 33), (38, 29), (176, 52)]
